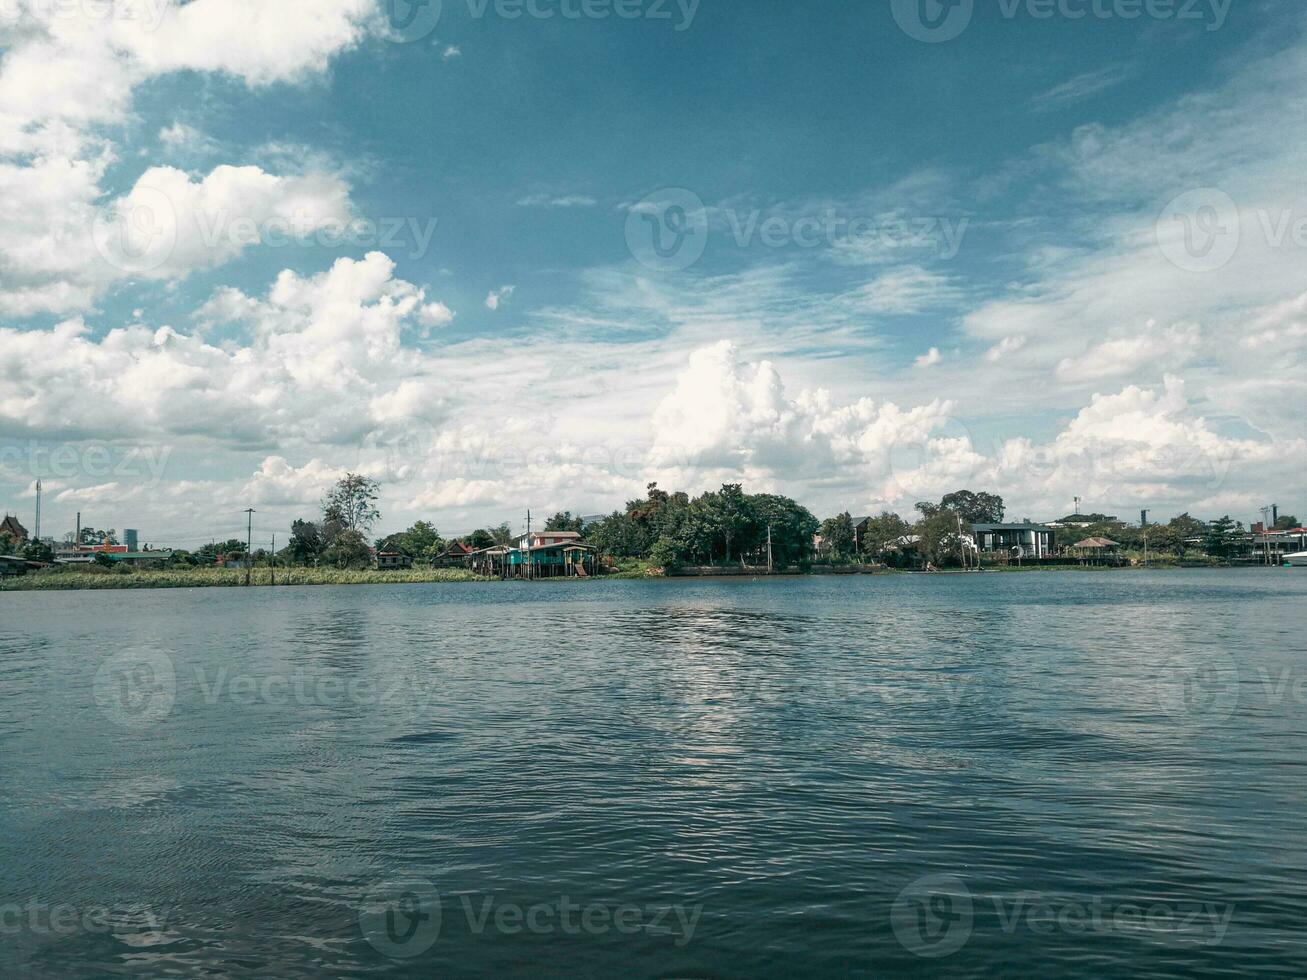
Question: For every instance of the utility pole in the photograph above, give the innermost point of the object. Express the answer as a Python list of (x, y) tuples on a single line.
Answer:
[(249, 542), (272, 559), (37, 533), (769, 555), (1266, 535), (527, 553)]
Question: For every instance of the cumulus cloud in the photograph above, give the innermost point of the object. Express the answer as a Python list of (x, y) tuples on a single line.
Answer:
[(70, 69), (319, 352), (1126, 354), (727, 418)]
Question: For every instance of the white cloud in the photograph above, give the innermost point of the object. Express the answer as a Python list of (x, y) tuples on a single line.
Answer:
[(559, 201), (929, 359), (320, 349), (1127, 354), (497, 296), (68, 68)]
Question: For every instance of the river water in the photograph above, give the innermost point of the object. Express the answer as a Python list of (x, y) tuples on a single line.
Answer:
[(1084, 774)]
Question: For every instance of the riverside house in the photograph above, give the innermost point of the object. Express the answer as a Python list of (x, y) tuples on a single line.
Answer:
[(551, 554), (1017, 540)]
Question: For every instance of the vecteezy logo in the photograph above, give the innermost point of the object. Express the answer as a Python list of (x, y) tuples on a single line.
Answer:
[(136, 233), (401, 919), (1199, 230), (136, 688), (1207, 690), (933, 916), (410, 20), (933, 21), (667, 230)]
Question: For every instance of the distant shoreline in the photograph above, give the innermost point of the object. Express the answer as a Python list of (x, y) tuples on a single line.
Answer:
[(265, 578)]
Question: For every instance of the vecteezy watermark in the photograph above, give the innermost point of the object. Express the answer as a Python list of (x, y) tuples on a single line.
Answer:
[(410, 20), (1199, 230), (136, 234), (936, 21), (668, 230), (47, 919), (403, 918), (652, 10), (220, 229), (1204, 690), (939, 236), (937, 915), (933, 916), (94, 459), (413, 20), (1202, 229), (136, 688), (144, 15), (300, 687)]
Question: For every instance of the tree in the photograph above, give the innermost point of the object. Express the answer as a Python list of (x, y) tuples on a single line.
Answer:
[(620, 536), (564, 521), (837, 535), (1183, 530), (882, 531), (306, 542), (37, 551), (501, 535), (90, 537), (1222, 535), (478, 539), (348, 550), (422, 540), (939, 542), (792, 527), (352, 503), (1286, 522), (975, 508), (731, 518), (666, 554)]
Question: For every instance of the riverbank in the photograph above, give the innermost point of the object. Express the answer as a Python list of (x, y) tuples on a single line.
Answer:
[(196, 578)]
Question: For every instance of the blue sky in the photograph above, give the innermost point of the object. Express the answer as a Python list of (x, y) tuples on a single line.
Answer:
[(910, 265)]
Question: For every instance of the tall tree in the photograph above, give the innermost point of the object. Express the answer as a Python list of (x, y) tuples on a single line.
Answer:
[(353, 503), (564, 521), (1222, 535), (837, 536), (881, 531), (306, 543), (975, 508)]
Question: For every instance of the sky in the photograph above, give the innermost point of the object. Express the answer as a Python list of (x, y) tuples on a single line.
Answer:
[(503, 255)]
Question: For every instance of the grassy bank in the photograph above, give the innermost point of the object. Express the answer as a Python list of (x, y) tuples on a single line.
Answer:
[(192, 578)]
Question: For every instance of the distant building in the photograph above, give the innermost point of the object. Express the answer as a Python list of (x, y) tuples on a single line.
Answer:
[(130, 539), (538, 538), (393, 560), (1098, 551), (1023, 540), (552, 558), (15, 530), (456, 555)]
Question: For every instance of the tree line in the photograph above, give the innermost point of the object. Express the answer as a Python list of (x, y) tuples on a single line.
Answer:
[(719, 527)]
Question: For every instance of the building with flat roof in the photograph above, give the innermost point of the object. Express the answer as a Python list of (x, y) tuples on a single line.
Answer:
[(1025, 540)]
